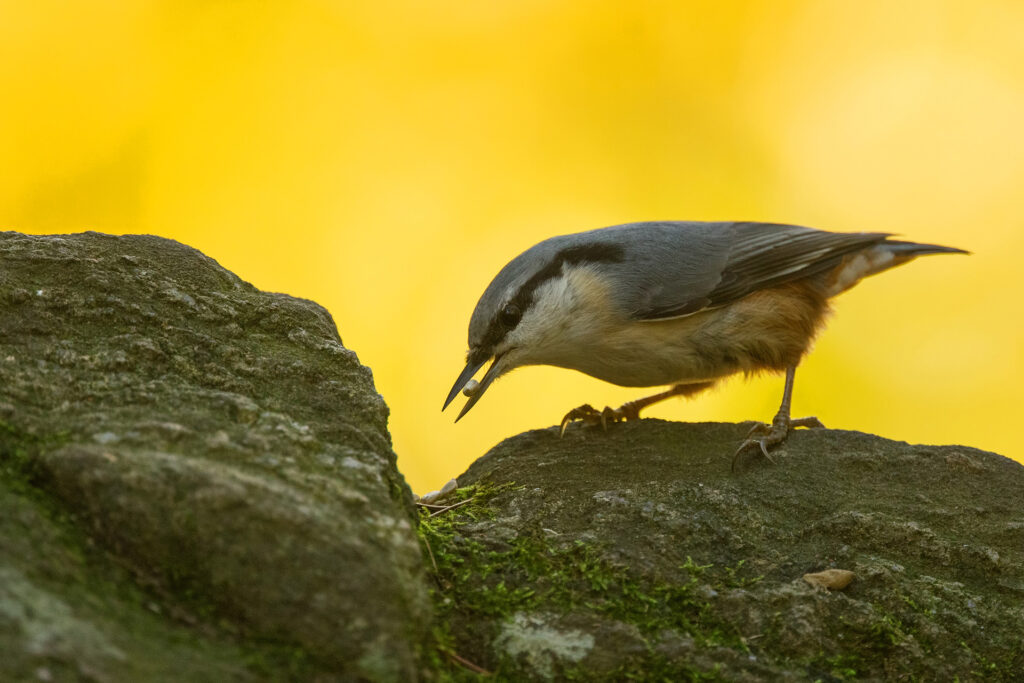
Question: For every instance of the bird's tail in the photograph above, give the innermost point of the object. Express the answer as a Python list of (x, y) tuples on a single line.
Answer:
[(909, 250), (881, 256)]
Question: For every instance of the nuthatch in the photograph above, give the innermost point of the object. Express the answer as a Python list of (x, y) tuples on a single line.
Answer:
[(680, 303)]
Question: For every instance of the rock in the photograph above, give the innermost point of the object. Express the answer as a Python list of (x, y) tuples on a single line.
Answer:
[(830, 579), (196, 478), (636, 553), (197, 484)]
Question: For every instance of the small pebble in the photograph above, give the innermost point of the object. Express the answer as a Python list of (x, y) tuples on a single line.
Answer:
[(831, 579), (429, 497), (438, 495)]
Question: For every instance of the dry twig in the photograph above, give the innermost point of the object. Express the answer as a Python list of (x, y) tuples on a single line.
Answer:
[(468, 664), (435, 513)]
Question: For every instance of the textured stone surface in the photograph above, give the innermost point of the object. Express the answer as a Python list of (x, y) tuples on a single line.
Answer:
[(162, 420), (635, 552), (197, 484)]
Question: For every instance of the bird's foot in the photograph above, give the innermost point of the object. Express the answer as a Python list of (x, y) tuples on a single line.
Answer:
[(588, 414), (774, 434)]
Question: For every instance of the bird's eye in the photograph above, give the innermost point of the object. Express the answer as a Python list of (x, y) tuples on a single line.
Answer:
[(510, 315)]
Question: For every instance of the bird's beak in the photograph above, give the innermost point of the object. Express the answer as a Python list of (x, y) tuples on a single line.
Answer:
[(467, 374)]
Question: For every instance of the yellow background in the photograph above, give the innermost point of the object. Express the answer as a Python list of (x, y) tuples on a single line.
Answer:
[(387, 158)]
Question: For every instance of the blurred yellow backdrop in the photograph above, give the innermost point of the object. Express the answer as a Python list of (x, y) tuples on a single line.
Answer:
[(387, 158)]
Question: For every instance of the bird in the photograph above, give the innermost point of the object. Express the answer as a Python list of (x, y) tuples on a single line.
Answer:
[(682, 304)]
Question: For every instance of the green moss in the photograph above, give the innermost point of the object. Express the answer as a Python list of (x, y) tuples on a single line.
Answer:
[(19, 452), (845, 666), (886, 632), (480, 586), (1000, 665)]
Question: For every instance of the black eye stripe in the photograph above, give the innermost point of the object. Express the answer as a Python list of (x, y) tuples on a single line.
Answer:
[(502, 324)]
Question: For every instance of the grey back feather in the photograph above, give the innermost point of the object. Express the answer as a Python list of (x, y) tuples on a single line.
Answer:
[(756, 256), (678, 268)]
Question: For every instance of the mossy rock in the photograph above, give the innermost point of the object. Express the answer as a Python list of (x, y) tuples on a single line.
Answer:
[(637, 553), (164, 421)]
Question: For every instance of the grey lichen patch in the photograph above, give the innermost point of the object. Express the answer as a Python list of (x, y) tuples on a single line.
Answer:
[(45, 627), (538, 646)]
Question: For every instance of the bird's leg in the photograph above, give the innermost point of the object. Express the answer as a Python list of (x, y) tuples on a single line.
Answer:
[(627, 411), (777, 432)]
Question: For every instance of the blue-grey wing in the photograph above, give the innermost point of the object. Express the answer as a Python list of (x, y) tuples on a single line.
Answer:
[(677, 269)]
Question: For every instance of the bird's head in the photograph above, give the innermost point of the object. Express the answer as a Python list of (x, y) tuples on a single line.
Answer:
[(524, 314)]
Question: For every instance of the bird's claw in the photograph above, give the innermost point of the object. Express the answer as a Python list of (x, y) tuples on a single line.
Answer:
[(590, 415), (773, 434)]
